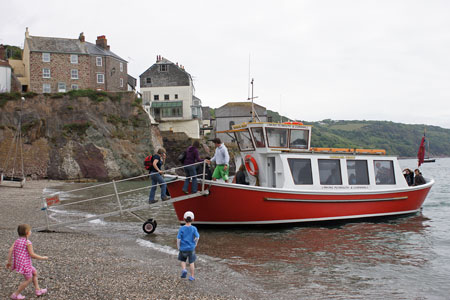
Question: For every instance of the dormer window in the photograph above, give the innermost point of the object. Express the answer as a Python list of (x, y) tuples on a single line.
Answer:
[(163, 68)]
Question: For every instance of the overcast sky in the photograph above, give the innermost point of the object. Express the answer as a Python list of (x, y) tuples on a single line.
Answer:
[(311, 60)]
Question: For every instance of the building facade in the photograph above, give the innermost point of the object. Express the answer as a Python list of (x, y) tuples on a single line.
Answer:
[(234, 113), (168, 96), (52, 65)]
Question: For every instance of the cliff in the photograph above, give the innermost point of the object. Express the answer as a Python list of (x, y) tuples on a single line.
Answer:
[(80, 134)]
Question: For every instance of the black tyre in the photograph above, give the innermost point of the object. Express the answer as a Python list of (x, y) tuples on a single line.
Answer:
[(149, 226)]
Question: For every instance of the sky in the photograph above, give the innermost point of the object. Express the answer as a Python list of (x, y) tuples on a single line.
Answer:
[(310, 59)]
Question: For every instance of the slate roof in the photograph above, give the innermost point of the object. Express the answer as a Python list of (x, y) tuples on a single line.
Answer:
[(70, 46)]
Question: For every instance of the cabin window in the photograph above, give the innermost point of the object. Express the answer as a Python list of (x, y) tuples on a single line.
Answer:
[(277, 137), (244, 140), (301, 170), (357, 172), (384, 171), (330, 171), (298, 139), (258, 136)]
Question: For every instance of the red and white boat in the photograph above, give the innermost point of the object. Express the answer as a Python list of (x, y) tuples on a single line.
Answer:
[(291, 182)]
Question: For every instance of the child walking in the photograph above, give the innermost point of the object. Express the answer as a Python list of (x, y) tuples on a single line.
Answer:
[(187, 240), (19, 259)]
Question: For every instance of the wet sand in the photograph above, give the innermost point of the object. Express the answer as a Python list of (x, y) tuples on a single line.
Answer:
[(84, 265)]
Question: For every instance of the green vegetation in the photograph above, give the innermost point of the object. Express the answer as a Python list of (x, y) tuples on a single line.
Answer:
[(396, 138), (76, 128), (116, 120), (13, 52), (276, 117), (96, 96)]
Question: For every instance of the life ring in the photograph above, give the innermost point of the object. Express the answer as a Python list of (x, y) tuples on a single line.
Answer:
[(249, 159)]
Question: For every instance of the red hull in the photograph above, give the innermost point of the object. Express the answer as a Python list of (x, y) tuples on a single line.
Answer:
[(234, 204)]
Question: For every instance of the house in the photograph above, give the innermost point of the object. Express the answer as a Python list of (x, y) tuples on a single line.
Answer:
[(52, 65), (236, 113), (168, 96), (5, 72)]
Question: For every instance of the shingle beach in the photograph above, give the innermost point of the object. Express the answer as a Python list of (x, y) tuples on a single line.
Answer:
[(84, 265)]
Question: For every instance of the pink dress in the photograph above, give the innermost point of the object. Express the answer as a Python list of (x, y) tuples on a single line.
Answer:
[(21, 258)]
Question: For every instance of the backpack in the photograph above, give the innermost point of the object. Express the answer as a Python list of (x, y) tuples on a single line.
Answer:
[(182, 157), (148, 162)]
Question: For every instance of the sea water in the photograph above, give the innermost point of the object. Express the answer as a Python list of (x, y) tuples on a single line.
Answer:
[(395, 258)]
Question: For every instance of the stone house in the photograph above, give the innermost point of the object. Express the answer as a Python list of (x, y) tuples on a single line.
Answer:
[(168, 96), (52, 65), (236, 113)]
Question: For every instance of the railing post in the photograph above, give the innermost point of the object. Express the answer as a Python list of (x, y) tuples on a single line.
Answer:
[(203, 176), (117, 196)]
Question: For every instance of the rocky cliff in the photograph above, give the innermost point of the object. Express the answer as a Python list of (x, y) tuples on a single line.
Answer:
[(83, 134)]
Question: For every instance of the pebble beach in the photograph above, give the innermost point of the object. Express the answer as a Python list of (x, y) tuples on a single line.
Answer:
[(84, 265)]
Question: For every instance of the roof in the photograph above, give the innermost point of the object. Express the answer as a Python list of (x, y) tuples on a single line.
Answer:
[(4, 63), (63, 45), (242, 104), (132, 81)]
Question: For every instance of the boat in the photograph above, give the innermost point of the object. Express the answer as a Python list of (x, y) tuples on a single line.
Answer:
[(292, 182)]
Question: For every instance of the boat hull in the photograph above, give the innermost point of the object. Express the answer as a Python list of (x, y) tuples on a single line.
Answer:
[(237, 204)]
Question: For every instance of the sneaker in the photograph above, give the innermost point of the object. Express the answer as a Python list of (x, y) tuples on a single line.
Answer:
[(183, 273), (20, 296), (191, 278), (186, 192), (152, 201), (41, 292), (165, 198)]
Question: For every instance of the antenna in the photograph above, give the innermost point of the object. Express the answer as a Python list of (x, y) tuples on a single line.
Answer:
[(253, 105), (248, 88)]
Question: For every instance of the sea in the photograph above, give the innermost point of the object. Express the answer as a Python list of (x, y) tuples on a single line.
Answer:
[(384, 258)]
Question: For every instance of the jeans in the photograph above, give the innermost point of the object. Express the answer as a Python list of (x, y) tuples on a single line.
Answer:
[(190, 171), (157, 179)]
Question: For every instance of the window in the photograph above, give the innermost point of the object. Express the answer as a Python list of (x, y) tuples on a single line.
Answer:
[(46, 73), (244, 140), (172, 112), (148, 80), (121, 67), (384, 171), (61, 87), (73, 59), (163, 68), (46, 88), (301, 170), (100, 78), (121, 82), (357, 172), (74, 74), (166, 97), (46, 57), (330, 171), (277, 137), (156, 97), (258, 136), (98, 61), (74, 86), (176, 96), (298, 139)]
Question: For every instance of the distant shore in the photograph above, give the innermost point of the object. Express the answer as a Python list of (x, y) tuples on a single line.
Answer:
[(83, 265)]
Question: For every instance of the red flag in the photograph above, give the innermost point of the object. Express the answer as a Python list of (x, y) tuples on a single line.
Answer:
[(421, 153)]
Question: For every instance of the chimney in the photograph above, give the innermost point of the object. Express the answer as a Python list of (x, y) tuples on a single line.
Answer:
[(27, 34), (3, 52), (102, 42), (81, 37)]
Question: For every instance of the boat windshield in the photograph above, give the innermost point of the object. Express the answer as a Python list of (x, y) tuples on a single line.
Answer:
[(258, 137), (244, 140), (298, 139), (277, 137)]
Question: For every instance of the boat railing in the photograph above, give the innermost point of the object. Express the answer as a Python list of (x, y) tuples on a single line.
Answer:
[(60, 198)]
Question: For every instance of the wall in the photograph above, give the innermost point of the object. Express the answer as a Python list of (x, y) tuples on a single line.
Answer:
[(111, 69), (5, 79), (191, 127)]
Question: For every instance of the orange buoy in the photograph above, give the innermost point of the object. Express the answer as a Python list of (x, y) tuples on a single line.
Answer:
[(249, 159)]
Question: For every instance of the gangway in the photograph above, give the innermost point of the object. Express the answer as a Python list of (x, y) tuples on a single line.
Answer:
[(149, 225)]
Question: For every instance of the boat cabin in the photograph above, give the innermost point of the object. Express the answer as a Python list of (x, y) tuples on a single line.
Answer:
[(279, 155)]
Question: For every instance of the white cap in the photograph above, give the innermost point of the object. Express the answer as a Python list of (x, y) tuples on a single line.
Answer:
[(188, 214)]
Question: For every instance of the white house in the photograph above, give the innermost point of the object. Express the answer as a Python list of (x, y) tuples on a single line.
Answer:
[(5, 76), (168, 95)]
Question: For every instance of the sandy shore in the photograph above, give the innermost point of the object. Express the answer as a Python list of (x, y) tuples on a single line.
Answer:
[(87, 266)]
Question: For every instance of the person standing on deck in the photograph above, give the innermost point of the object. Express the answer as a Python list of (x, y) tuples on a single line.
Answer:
[(192, 157), (222, 159)]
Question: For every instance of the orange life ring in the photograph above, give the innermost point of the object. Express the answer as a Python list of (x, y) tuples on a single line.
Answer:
[(249, 159)]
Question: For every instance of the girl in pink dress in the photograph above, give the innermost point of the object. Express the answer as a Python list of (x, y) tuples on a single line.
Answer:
[(19, 259)]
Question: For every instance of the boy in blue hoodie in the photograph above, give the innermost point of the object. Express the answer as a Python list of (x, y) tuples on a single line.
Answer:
[(187, 240)]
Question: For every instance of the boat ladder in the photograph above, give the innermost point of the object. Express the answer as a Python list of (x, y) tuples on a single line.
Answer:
[(57, 198)]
